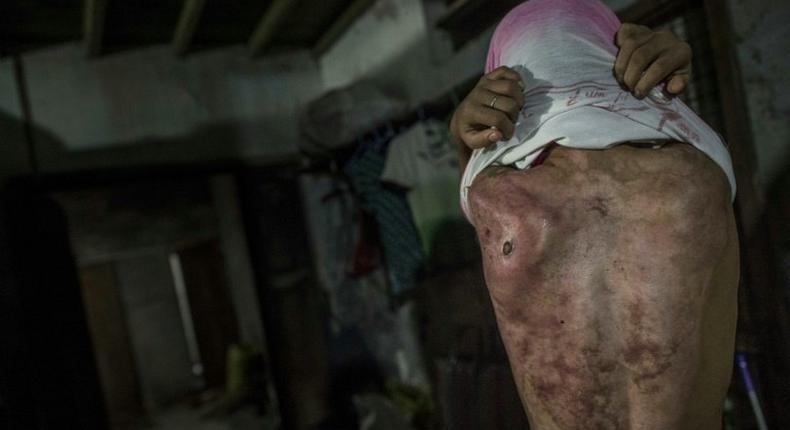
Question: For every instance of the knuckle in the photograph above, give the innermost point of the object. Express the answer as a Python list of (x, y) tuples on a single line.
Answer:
[(627, 43), (460, 112), (626, 30), (502, 121), (665, 32), (509, 105), (640, 56), (634, 31), (469, 114), (662, 64), (631, 79), (488, 118)]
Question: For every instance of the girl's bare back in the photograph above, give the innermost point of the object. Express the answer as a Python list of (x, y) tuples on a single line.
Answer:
[(613, 274)]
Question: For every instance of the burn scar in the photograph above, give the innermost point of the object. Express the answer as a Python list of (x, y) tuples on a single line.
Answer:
[(507, 248)]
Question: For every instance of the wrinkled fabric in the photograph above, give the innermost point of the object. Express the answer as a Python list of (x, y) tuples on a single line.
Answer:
[(564, 51), (424, 160), (397, 234)]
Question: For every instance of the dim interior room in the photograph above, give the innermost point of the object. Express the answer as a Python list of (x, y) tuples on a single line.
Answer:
[(245, 215)]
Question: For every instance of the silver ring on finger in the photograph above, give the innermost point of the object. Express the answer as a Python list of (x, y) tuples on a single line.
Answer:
[(493, 102)]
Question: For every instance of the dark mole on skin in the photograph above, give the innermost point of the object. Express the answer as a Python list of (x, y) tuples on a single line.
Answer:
[(507, 248)]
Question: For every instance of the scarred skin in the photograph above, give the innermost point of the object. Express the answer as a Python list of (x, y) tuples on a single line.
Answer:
[(613, 275)]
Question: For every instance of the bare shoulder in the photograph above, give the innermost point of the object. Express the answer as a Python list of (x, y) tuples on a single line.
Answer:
[(676, 176)]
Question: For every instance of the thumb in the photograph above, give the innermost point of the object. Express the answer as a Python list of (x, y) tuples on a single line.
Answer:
[(677, 83), (481, 138)]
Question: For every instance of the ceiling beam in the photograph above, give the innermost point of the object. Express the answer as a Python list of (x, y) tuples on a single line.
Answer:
[(187, 25), (93, 20), (341, 24), (268, 25)]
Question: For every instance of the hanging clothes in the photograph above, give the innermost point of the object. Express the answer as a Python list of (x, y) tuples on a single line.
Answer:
[(397, 234), (364, 327), (424, 160)]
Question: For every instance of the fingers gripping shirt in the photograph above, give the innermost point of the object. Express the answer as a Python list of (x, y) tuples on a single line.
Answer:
[(564, 51)]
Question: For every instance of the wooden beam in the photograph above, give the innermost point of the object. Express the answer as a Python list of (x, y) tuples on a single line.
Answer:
[(330, 36), (187, 25), (93, 21), (268, 25)]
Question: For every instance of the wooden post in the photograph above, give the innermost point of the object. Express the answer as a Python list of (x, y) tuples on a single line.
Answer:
[(268, 25), (187, 25), (93, 20)]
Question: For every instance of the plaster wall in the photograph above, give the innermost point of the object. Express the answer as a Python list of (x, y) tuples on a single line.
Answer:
[(394, 45), (762, 39), (147, 106)]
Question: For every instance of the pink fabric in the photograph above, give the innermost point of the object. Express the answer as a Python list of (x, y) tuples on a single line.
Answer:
[(592, 17), (564, 51)]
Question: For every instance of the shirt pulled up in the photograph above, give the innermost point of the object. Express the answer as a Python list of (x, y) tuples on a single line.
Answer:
[(564, 51)]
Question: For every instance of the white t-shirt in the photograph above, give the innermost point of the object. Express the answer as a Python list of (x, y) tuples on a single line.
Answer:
[(424, 160), (564, 51)]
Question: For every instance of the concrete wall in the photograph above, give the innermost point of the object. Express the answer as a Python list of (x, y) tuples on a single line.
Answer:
[(762, 42), (394, 44), (147, 106)]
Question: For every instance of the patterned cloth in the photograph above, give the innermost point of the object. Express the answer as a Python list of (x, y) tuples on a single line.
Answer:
[(425, 161), (398, 236)]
